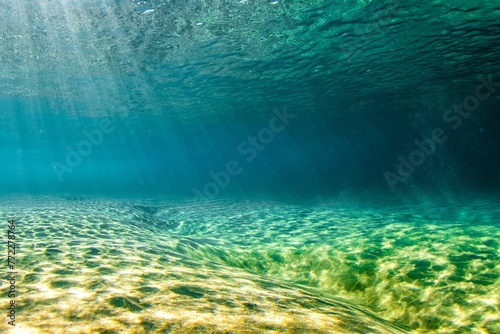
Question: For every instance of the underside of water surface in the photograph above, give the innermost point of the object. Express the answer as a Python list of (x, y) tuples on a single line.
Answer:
[(250, 166)]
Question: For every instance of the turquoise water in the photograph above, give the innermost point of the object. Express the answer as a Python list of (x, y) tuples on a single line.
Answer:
[(251, 166)]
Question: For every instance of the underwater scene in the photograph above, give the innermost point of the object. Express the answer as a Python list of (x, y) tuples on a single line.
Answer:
[(250, 166)]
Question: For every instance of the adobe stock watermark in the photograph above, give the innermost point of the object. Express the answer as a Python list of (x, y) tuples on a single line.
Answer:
[(427, 146), (249, 149), (83, 149)]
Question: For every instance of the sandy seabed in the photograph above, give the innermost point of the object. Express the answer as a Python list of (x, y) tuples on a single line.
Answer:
[(163, 266)]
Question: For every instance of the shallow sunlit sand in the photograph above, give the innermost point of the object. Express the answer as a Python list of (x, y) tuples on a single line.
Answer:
[(128, 266)]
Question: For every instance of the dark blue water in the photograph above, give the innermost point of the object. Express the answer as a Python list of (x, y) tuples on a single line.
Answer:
[(360, 87), (314, 154)]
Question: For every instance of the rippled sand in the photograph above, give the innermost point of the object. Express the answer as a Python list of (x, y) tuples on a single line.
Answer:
[(160, 266)]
